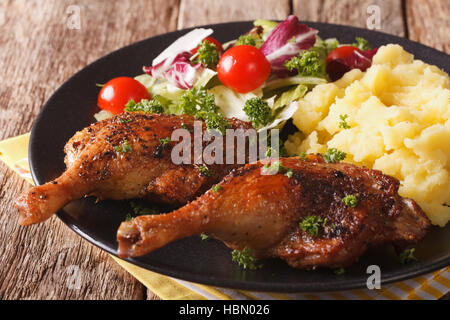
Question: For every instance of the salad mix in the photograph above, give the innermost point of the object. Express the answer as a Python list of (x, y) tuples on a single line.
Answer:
[(257, 77)]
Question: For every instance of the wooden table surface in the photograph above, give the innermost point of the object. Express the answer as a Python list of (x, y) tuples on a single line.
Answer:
[(38, 52)]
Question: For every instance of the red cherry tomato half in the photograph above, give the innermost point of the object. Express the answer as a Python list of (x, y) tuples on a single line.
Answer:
[(243, 68), (210, 40), (341, 53), (116, 93)]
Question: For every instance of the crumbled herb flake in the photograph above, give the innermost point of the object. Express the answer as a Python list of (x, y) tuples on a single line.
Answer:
[(343, 123), (123, 148), (334, 155), (311, 225), (245, 259), (350, 201), (407, 256)]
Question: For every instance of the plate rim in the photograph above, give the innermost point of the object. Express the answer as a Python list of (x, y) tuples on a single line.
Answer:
[(338, 285)]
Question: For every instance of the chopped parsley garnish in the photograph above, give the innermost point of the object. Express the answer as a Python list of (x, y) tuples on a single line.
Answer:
[(289, 173), (277, 167), (246, 39), (350, 201), (339, 272), (198, 102), (272, 152), (362, 44), (258, 111), (216, 121), (139, 210), (207, 54), (308, 63), (407, 256), (123, 148), (201, 104), (334, 155), (165, 140), (343, 124), (216, 188), (273, 168), (147, 106), (204, 236), (303, 156), (311, 225), (245, 259), (204, 171), (125, 120)]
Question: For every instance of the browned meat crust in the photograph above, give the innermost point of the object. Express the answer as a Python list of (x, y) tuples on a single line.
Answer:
[(263, 213), (96, 165)]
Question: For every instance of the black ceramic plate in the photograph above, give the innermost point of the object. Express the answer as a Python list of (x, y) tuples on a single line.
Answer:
[(71, 108)]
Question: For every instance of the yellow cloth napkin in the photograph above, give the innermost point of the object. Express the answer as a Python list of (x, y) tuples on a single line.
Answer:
[(14, 153)]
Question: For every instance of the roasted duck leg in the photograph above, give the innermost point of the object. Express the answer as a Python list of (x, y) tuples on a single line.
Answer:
[(127, 156), (347, 208)]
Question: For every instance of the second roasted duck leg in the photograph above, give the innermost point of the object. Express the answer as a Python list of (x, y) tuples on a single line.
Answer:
[(267, 214)]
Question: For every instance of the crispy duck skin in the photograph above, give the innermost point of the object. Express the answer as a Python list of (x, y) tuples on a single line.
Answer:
[(100, 164), (263, 213)]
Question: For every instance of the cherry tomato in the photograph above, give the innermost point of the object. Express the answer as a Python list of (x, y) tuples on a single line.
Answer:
[(341, 53), (210, 40), (243, 68), (116, 93)]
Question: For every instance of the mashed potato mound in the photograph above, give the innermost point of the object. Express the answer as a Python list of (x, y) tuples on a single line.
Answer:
[(399, 117)]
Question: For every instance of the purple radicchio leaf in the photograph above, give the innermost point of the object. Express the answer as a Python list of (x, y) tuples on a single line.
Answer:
[(357, 60), (285, 41), (174, 62), (178, 70)]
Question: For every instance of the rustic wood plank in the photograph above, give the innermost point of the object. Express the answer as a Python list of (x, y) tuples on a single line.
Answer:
[(199, 12), (353, 12), (35, 58), (428, 22)]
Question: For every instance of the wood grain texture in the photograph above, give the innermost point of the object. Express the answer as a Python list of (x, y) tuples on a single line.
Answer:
[(428, 22), (35, 58), (199, 12), (352, 12)]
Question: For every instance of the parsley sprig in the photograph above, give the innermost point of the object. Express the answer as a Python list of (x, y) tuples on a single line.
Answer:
[(350, 201), (147, 106), (277, 167), (258, 111), (343, 123), (245, 259), (311, 62), (204, 171), (208, 54), (407, 256), (165, 141), (201, 104), (139, 209), (311, 225), (334, 155), (124, 147)]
